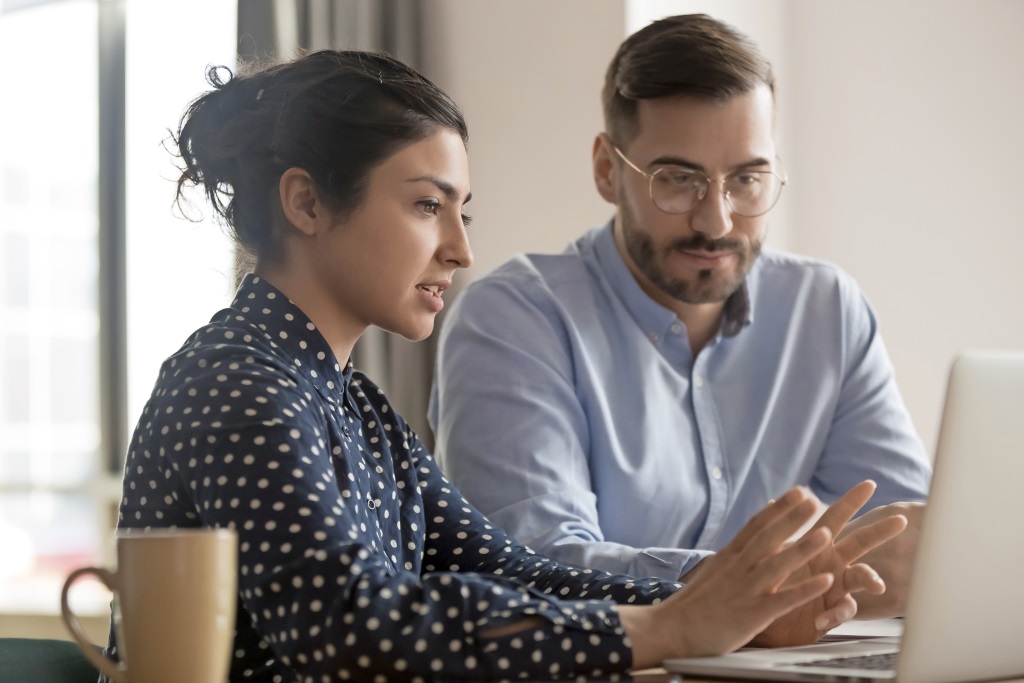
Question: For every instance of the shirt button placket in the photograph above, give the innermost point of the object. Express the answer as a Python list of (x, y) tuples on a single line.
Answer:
[(707, 424)]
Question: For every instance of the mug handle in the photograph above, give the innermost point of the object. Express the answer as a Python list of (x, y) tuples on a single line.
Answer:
[(113, 670)]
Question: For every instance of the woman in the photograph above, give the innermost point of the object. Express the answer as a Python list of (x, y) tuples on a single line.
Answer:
[(345, 174)]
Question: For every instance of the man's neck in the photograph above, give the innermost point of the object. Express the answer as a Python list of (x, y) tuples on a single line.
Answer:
[(702, 322)]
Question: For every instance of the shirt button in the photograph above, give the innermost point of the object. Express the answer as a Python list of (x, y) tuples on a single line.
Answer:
[(653, 336), (677, 328), (698, 381), (716, 473)]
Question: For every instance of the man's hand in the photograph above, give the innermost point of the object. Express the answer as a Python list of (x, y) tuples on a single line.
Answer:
[(893, 560)]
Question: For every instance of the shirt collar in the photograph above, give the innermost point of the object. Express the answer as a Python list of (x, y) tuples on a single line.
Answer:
[(649, 314), (294, 337)]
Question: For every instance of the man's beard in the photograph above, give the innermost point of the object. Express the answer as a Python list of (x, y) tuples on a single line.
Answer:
[(709, 286)]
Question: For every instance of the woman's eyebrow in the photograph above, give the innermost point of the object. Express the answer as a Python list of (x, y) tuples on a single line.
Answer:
[(446, 188)]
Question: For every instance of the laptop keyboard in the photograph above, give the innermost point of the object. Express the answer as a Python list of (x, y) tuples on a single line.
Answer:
[(885, 661)]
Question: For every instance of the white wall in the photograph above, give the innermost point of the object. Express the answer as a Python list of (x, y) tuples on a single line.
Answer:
[(528, 76), (908, 171), (899, 125)]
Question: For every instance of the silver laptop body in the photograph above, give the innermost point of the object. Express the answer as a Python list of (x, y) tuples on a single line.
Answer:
[(965, 616)]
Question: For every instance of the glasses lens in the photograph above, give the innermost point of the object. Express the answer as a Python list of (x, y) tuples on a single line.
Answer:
[(677, 190), (753, 193), (750, 193)]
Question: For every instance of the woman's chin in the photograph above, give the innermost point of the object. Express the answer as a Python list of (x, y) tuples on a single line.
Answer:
[(415, 332)]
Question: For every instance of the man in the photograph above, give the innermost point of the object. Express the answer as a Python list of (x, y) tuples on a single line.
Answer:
[(628, 404)]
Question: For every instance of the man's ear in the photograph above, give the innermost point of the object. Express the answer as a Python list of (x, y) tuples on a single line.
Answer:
[(605, 171), (300, 201)]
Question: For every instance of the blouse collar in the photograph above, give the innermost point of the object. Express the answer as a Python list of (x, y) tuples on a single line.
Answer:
[(294, 337)]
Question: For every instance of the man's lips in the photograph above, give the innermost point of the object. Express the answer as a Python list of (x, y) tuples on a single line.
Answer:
[(705, 257)]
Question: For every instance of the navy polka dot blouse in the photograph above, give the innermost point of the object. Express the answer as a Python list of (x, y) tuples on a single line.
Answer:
[(358, 560)]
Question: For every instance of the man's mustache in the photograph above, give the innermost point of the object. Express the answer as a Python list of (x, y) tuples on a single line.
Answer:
[(701, 243)]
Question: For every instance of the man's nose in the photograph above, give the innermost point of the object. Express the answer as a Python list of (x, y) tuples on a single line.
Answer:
[(712, 216)]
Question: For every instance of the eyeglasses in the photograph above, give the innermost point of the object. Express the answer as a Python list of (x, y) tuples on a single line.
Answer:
[(678, 189)]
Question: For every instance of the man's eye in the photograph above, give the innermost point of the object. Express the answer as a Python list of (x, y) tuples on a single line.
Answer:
[(679, 179), (747, 179)]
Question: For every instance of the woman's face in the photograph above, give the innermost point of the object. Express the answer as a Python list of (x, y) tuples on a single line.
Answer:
[(387, 262)]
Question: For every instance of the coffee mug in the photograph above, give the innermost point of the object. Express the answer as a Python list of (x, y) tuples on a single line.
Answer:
[(175, 592)]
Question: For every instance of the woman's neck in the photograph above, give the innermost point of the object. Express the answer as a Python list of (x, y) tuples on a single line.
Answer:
[(340, 331)]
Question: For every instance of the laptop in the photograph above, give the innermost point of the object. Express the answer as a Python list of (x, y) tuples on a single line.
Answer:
[(965, 611)]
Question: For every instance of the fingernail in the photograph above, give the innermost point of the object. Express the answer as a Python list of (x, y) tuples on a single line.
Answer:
[(822, 623)]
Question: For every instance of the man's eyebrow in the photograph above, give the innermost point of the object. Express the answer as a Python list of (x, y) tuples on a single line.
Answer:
[(670, 160), (446, 188)]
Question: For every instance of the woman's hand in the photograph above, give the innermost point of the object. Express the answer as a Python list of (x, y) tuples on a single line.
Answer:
[(761, 586), (809, 622)]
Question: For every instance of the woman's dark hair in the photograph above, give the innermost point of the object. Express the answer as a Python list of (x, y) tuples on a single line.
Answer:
[(336, 114), (686, 55)]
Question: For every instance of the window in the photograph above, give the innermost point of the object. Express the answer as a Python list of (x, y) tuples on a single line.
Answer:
[(57, 489)]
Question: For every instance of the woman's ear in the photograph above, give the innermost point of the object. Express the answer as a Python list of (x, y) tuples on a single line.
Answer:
[(604, 169), (300, 201)]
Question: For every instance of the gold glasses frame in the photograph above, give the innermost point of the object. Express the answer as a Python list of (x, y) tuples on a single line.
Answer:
[(702, 192)]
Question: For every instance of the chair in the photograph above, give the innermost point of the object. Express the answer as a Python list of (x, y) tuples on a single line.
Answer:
[(38, 660)]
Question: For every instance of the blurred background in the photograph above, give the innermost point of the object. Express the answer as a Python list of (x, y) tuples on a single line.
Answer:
[(899, 125)]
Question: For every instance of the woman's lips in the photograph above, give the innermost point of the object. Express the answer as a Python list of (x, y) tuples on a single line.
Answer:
[(432, 295)]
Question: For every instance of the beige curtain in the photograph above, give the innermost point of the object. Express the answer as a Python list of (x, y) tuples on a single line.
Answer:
[(270, 30)]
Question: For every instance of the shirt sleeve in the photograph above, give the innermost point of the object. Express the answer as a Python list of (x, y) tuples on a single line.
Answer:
[(871, 435), (513, 433), (326, 587)]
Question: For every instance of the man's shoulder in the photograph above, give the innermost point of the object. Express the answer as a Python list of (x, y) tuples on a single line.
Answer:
[(535, 276), (536, 267), (777, 268)]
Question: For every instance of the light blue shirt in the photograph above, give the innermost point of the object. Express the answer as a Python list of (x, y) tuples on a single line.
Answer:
[(569, 408)]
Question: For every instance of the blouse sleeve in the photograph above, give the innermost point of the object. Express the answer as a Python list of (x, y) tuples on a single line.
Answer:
[(330, 544)]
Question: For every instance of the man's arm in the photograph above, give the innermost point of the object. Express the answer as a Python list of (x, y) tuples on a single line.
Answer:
[(514, 436), (873, 437)]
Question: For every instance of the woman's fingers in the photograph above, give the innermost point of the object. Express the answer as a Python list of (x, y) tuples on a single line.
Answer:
[(839, 613), (790, 598), (843, 510), (773, 526), (861, 577), (777, 569), (767, 518), (856, 544)]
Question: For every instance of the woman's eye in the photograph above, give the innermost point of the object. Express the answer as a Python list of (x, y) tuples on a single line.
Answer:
[(466, 220), (430, 207)]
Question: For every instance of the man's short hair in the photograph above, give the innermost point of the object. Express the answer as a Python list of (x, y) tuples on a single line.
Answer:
[(687, 55)]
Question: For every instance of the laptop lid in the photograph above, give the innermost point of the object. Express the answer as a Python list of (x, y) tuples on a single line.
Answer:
[(965, 617), (966, 605)]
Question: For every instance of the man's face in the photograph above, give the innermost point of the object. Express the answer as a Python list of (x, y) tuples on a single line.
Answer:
[(702, 256)]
